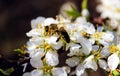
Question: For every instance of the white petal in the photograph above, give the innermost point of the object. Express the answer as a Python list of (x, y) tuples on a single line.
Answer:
[(27, 74), (95, 47), (88, 28), (80, 70), (34, 33), (30, 46), (53, 42), (103, 64), (37, 40), (75, 36), (103, 42), (59, 72), (49, 21), (37, 73), (85, 13), (37, 21), (67, 69), (90, 63), (36, 62), (52, 58), (108, 36), (113, 61), (80, 20), (86, 45), (92, 40), (72, 61), (74, 49), (37, 53), (105, 52)]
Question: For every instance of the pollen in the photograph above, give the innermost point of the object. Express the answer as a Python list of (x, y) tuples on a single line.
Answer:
[(83, 33), (97, 35), (46, 69), (38, 26), (112, 48), (47, 46), (97, 55), (37, 47)]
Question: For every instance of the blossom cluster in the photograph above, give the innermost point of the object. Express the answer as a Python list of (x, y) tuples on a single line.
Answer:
[(84, 45)]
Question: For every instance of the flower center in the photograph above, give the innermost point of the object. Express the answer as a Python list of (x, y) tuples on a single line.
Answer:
[(97, 55), (97, 35), (38, 26), (47, 46), (112, 48), (47, 69), (83, 33)]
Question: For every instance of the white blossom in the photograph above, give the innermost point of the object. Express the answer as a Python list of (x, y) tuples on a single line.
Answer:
[(52, 58), (54, 43), (72, 62), (113, 61), (49, 21), (34, 73), (36, 62), (90, 63), (80, 70), (59, 72), (103, 65), (36, 22), (74, 49)]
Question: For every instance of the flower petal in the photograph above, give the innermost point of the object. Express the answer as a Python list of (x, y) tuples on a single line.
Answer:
[(80, 70), (49, 21), (113, 61), (53, 42), (37, 73), (34, 33), (105, 52), (52, 58), (103, 64), (37, 21), (90, 63), (74, 49), (36, 62), (86, 45), (59, 72), (27, 74), (72, 61)]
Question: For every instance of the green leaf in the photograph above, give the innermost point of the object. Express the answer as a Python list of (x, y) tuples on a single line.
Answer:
[(7, 72), (19, 51), (74, 12), (115, 73), (84, 4)]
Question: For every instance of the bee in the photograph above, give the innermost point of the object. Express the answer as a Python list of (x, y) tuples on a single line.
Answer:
[(64, 34), (53, 29)]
